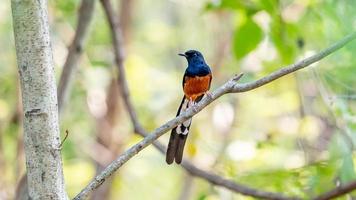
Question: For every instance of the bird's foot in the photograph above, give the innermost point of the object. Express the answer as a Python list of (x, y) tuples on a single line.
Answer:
[(209, 94), (194, 107), (191, 102)]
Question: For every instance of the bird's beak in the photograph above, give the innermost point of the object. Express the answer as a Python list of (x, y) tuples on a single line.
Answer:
[(182, 54)]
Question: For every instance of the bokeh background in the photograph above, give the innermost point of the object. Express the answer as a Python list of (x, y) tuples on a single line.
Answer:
[(295, 135)]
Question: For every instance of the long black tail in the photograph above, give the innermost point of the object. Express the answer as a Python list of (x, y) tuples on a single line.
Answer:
[(178, 137)]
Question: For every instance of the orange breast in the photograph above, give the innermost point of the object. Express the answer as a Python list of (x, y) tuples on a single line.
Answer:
[(196, 86)]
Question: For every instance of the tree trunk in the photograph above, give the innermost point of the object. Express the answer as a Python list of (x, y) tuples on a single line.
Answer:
[(39, 98)]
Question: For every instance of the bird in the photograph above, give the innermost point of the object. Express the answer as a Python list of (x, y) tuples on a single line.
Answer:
[(196, 83)]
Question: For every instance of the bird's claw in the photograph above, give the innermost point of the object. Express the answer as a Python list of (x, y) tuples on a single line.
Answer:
[(191, 102), (209, 94), (195, 109)]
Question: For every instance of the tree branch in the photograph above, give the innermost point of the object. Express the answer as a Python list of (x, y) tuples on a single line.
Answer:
[(294, 67), (230, 86), (337, 192), (231, 185), (223, 182), (212, 178), (75, 50)]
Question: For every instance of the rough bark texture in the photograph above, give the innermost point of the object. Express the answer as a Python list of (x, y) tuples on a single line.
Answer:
[(39, 98)]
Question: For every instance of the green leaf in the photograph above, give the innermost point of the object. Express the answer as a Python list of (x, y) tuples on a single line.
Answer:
[(223, 4), (340, 149), (321, 176), (347, 171), (246, 38), (339, 146), (249, 6), (202, 197), (271, 6), (67, 6), (284, 37)]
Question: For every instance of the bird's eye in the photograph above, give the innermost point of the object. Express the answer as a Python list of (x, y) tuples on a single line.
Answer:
[(195, 54)]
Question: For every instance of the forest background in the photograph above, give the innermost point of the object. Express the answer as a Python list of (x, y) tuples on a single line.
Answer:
[(298, 131)]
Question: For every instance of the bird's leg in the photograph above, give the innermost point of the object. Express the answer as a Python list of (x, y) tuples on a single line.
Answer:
[(192, 104), (209, 94)]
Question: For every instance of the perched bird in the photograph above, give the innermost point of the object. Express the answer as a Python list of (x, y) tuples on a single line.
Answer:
[(196, 83)]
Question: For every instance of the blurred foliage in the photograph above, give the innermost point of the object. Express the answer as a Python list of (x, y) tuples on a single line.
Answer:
[(295, 135)]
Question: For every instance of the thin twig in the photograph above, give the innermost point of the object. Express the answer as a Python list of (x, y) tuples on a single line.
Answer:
[(231, 185), (75, 50), (223, 182), (294, 67), (229, 87), (64, 139), (337, 192)]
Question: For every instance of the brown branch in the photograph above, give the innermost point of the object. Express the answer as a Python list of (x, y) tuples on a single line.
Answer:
[(75, 50), (187, 187), (231, 185), (223, 182), (212, 178), (125, 18), (230, 86), (337, 192), (105, 124), (118, 45)]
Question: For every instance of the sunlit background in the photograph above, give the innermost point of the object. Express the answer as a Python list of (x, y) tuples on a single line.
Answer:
[(295, 136)]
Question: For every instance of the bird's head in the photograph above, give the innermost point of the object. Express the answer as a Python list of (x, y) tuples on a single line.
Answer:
[(193, 56)]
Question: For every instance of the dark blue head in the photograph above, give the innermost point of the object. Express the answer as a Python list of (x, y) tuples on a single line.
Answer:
[(193, 57), (196, 63)]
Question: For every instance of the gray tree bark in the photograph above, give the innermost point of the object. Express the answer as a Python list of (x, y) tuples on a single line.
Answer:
[(39, 98)]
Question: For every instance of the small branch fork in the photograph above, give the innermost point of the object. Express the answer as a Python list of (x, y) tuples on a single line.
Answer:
[(231, 86)]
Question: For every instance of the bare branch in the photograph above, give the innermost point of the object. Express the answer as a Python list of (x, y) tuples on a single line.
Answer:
[(118, 48), (229, 87), (119, 59), (187, 187), (75, 49), (294, 67), (231, 185), (337, 192), (223, 182)]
